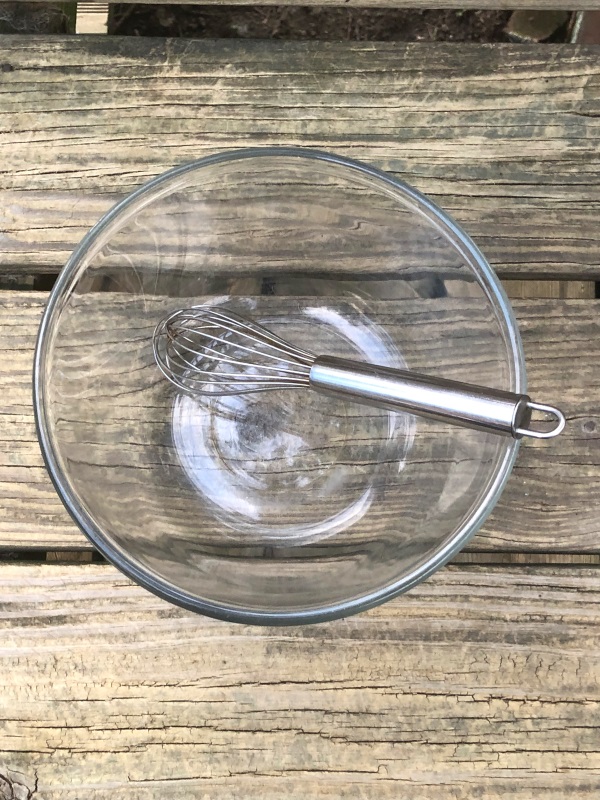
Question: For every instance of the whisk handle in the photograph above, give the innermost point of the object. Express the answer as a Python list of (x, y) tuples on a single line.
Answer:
[(455, 402)]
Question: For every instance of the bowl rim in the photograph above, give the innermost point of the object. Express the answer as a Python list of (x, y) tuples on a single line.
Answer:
[(233, 613)]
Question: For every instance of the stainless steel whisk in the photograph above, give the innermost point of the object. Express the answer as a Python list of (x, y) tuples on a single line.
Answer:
[(211, 351)]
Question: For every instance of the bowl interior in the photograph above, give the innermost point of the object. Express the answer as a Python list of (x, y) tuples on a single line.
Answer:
[(286, 505)]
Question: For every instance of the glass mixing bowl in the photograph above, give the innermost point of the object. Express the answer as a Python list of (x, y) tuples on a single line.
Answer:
[(284, 506)]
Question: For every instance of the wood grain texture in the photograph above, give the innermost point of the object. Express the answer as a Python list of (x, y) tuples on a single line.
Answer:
[(478, 683), (550, 503), (505, 138), (499, 558), (565, 290)]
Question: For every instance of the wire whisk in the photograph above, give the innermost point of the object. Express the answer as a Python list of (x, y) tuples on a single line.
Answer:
[(212, 351)]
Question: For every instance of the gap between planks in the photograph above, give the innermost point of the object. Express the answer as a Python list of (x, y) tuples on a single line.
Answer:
[(465, 559), (516, 289), (495, 5), (488, 558)]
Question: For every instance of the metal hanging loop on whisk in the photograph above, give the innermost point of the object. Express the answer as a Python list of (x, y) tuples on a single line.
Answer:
[(211, 351)]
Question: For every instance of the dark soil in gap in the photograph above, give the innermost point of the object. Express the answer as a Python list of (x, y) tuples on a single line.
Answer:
[(307, 22)]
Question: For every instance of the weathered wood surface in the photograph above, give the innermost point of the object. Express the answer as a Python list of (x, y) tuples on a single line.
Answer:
[(550, 503), (564, 290), (506, 138), (476, 683)]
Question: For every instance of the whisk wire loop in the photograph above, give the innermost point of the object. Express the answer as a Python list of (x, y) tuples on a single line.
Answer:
[(214, 352), (242, 329), (177, 339)]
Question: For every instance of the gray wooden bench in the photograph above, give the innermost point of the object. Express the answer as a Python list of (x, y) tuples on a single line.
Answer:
[(483, 681)]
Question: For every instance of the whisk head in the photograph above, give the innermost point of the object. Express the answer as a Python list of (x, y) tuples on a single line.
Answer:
[(211, 351)]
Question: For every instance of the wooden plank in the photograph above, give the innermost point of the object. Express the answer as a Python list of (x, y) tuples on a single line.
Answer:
[(524, 289), (506, 138), (549, 505), (564, 290), (478, 683), (111, 411), (531, 509), (499, 558)]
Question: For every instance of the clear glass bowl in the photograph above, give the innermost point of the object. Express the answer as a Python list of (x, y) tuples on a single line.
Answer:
[(287, 506)]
